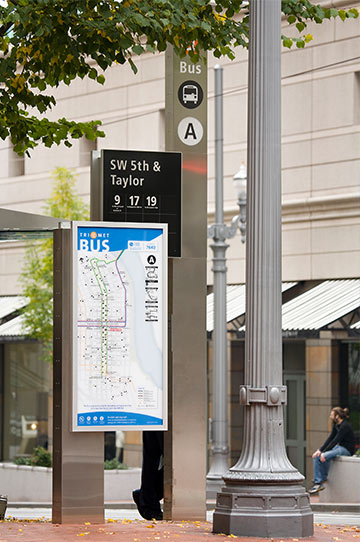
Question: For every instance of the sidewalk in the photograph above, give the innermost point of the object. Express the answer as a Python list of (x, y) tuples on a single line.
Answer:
[(143, 531), (123, 524)]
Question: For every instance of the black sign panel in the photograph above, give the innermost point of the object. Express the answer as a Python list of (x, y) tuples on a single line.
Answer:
[(141, 186)]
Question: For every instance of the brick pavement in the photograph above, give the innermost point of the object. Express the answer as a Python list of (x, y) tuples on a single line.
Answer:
[(145, 531)]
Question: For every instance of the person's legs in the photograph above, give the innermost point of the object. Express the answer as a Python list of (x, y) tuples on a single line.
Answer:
[(152, 485), (321, 469), (148, 497), (335, 452)]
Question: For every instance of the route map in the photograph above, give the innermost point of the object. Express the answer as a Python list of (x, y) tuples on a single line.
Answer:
[(119, 327)]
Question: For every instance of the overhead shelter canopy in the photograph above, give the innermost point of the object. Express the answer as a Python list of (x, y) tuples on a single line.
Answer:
[(19, 225)]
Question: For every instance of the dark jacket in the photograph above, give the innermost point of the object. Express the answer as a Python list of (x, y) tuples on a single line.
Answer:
[(341, 434)]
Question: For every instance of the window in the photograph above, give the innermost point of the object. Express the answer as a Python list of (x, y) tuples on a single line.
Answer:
[(25, 399)]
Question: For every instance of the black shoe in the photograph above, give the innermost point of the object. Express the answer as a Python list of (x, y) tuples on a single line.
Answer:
[(144, 512)]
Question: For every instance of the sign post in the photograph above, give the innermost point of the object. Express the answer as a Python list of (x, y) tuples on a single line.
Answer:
[(185, 442)]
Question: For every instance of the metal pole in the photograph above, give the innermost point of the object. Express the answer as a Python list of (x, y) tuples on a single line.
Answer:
[(219, 427), (263, 495), (219, 143)]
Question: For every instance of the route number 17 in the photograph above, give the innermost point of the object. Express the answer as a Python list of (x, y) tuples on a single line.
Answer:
[(134, 200)]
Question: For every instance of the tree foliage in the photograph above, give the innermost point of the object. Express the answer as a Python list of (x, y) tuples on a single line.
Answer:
[(37, 272), (48, 42)]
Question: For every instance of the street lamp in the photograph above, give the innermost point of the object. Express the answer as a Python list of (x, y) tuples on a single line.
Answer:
[(263, 494), (239, 180), (219, 232)]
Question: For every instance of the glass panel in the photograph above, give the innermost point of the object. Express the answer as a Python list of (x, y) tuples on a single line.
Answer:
[(294, 356), (354, 388), (26, 392), (291, 417)]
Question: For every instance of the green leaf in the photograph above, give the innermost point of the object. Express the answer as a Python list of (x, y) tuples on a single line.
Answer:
[(291, 19), (100, 79), (300, 26), (92, 73), (342, 14), (41, 84), (287, 42), (138, 49), (133, 67)]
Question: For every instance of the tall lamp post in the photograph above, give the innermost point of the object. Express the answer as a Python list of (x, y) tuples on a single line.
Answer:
[(263, 494), (220, 232)]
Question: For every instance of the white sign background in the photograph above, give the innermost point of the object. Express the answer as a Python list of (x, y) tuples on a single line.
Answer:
[(119, 326)]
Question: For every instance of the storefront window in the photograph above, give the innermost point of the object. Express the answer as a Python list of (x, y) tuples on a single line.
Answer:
[(354, 388), (25, 399)]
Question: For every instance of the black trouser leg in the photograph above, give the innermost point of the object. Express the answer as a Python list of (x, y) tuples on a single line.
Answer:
[(152, 478)]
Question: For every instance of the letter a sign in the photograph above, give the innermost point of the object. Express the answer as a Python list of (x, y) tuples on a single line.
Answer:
[(190, 131)]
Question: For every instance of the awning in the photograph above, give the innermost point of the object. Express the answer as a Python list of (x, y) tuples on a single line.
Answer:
[(321, 306), (13, 328), (10, 304), (235, 303), (11, 322), (328, 305)]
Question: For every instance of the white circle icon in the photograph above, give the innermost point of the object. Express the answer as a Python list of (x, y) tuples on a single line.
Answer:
[(190, 131)]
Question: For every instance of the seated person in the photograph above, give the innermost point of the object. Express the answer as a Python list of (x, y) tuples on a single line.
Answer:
[(341, 441)]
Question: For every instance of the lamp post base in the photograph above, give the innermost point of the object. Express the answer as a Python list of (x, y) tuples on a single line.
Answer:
[(264, 510), (214, 485)]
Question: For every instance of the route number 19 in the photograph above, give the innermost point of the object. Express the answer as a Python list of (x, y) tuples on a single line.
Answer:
[(151, 201)]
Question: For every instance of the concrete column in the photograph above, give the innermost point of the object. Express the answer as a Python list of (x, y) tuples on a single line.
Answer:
[(263, 495), (322, 393)]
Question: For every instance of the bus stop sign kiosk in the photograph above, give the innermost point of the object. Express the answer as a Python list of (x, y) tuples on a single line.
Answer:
[(138, 186), (119, 326)]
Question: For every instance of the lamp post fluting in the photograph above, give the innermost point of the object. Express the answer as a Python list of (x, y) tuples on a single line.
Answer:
[(219, 232), (263, 494)]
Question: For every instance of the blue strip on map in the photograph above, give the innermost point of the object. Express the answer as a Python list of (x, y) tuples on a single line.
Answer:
[(116, 238), (96, 419)]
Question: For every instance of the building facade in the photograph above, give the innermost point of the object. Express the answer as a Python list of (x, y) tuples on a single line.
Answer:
[(320, 214)]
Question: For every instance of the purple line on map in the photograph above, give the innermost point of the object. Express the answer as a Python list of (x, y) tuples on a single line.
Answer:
[(123, 285)]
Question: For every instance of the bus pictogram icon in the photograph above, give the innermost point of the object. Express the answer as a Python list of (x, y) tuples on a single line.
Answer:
[(190, 94)]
